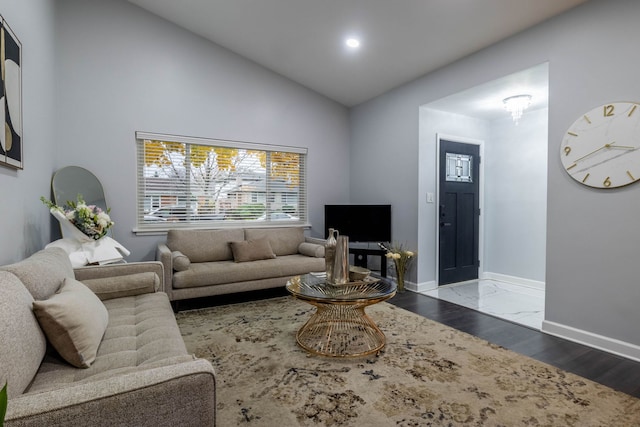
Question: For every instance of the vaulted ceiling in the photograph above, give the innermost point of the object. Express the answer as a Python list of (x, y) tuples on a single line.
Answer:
[(401, 40)]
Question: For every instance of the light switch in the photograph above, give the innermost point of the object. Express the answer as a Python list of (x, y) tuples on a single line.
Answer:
[(429, 197)]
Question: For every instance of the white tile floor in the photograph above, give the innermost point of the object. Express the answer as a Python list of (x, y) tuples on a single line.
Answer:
[(519, 304)]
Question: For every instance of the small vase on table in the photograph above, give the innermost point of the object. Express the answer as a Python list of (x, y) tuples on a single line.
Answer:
[(400, 277)]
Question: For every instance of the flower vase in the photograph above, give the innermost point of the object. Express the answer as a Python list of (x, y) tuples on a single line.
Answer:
[(400, 278)]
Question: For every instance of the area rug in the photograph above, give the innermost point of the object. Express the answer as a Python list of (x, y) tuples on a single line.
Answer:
[(427, 375)]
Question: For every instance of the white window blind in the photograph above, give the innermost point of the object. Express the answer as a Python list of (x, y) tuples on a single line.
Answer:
[(198, 182)]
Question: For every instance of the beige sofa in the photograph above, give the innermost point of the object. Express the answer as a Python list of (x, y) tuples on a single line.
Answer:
[(140, 374), (200, 263)]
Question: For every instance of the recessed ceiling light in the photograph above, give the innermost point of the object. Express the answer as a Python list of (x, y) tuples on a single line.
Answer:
[(353, 43)]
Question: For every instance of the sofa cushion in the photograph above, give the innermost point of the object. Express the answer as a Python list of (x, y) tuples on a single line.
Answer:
[(180, 261), (124, 286), (142, 334), (43, 272), (223, 272), (284, 241), (22, 343), (74, 321), (251, 250), (204, 245)]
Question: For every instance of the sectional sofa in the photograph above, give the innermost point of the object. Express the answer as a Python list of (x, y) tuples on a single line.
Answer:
[(96, 346)]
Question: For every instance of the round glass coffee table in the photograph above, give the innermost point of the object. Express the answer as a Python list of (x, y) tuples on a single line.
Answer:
[(340, 327)]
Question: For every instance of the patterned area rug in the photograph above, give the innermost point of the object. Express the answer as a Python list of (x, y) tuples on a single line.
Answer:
[(427, 375)]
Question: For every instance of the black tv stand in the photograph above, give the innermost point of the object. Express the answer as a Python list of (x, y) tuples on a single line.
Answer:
[(360, 258)]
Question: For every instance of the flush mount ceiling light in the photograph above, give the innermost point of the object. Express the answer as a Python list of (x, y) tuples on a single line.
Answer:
[(516, 105), (353, 43)]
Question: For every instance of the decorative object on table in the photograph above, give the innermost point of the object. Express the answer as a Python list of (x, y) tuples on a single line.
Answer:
[(358, 273), (600, 149), (86, 227), (330, 253), (401, 260), (341, 263), (11, 152)]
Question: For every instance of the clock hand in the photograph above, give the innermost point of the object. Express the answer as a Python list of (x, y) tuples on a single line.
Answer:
[(611, 145), (589, 167), (593, 152), (625, 147)]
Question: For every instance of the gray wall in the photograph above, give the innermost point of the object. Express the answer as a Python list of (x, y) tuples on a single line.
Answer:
[(24, 220), (592, 237), (516, 197), (121, 69)]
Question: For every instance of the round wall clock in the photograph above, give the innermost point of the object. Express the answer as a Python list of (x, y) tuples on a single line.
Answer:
[(601, 148)]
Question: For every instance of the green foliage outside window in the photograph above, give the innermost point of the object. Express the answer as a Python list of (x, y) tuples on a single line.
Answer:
[(248, 211)]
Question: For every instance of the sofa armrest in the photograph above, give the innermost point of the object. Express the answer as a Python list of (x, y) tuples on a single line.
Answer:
[(124, 286), (315, 240), (112, 270), (180, 394), (163, 255)]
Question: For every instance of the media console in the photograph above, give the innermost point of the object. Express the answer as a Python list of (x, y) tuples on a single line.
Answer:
[(361, 255)]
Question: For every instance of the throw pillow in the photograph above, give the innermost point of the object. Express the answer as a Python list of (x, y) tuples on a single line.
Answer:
[(311, 249), (74, 320), (181, 262), (251, 250)]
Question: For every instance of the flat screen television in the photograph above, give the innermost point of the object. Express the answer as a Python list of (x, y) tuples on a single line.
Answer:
[(362, 223)]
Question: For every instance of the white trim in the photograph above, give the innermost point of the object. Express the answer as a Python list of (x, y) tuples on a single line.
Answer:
[(425, 286), (600, 342), (513, 280), (415, 287), (218, 226), (480, 144), (219, 142)]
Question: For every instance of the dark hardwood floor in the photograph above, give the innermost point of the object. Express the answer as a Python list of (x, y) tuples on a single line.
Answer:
[(613, 371)]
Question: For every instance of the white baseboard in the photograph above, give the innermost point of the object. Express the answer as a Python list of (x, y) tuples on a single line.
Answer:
[(610, 345), (417, 287), (513, 279), (424, 286)]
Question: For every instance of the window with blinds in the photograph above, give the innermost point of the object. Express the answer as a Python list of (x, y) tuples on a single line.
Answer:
[(197, 182)]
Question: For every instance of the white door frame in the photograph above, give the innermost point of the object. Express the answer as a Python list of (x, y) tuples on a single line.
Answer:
[(480, 144)]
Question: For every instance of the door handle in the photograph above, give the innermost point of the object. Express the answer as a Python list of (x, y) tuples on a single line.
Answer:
[(445, 224)]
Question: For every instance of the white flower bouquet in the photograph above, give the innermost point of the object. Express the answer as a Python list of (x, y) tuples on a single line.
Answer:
[(92, 221)]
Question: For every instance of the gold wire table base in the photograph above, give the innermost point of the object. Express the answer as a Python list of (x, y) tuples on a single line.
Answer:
[(341, 330)]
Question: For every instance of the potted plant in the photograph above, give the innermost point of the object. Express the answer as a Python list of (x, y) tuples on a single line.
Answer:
[(3, 404)]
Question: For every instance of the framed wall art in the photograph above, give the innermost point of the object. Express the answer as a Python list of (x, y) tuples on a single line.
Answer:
[(11, 152)]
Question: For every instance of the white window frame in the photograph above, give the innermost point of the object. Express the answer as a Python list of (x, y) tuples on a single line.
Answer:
[(152, 227)]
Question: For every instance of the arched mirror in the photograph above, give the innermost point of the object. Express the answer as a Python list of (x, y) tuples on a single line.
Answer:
[(70, 181), (84, 245)]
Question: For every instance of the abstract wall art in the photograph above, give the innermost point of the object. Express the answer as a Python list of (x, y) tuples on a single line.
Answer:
[(11, 150)]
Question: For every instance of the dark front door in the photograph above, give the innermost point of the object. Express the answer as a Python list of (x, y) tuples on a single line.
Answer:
[(459, 215)]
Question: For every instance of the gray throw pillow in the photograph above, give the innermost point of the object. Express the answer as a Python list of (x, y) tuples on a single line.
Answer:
[(251, 250), (311, 249), (181, 262), (74, 320)]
